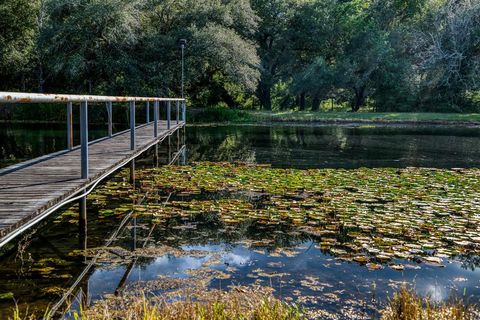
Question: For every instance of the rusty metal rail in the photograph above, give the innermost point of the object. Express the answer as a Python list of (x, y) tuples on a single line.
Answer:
[(83, 102), (19, 97)]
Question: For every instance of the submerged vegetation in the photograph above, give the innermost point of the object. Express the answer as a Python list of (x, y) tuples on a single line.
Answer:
[(204, 217), (371, 216)]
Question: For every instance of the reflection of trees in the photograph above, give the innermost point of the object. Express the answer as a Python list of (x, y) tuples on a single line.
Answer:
[(210, 229), (468, 261), (219, 144), (334, 146)]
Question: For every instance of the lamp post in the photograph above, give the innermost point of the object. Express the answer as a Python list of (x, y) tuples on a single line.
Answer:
[(183, 44)]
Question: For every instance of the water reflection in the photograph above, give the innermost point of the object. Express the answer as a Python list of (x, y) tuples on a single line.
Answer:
[(338, 146), (46, 266)]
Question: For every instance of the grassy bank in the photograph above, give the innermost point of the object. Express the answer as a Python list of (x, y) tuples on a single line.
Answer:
[(220, 115), (256, 303), (363, 116)]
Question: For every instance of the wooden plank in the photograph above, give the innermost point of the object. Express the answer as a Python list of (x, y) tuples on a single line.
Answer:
[(28, 189)]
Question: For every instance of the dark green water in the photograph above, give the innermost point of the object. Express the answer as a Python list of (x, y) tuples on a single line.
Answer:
[(43, 264), (286, 146)]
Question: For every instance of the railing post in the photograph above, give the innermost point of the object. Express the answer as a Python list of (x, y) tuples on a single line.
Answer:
[(169, 113), (184, 111), (69, 127), (132, 125), (155, 119), (148, 111), (110, 115), (178, 112), (84, 138)]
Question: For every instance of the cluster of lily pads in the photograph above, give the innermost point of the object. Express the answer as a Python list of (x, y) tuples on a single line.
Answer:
[(371, 216)]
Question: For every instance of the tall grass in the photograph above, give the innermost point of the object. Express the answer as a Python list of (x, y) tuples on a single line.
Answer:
[(407, 305), (239, 303)]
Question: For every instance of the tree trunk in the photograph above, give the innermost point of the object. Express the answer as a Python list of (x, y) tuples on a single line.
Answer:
[(302, 101), (265, 95), (41, 80), (359, 99), (316, 103)]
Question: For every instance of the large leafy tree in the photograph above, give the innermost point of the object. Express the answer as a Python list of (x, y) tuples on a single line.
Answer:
[(18, 25), (448, 55), (88, 43), (273, 44), (219, 47)]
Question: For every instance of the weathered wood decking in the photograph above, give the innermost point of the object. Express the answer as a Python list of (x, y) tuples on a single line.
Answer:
[(31, 190)]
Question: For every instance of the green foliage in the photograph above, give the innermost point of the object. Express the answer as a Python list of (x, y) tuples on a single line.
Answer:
[(387, 55), (220, 114), (17, 41)]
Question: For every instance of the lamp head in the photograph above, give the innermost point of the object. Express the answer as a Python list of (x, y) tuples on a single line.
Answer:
[(182, 42)]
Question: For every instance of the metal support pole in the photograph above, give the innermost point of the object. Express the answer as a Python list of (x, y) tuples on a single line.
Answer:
[(132, 125), (132, 172), (178, 112), (155, 156), (110, 116), (169, 113), (178, 140), (69, 127), (155, 119), (84, 138), (169, 148), (184, 111), (184, 135), (148, 112), (82, 222)]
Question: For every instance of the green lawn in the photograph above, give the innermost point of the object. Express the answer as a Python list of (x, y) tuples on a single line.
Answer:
[(308, 116)]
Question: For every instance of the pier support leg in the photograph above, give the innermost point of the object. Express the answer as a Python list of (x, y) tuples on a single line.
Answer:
[(169, 114), (132, 125), (69, 126), (184, 111), (82, 225), (178, 112), (110, 122), (84, 138), (84, 294), (155, 157), (148, 112), (184, 135), (132, 172), (169, 149), (178, 140), (184, 157), (134, 234), (155, 119)]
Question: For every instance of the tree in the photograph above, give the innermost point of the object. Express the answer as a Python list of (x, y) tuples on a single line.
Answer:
[(88, 42), (17, 42), (271, 38), (219, 47), (448, 54)]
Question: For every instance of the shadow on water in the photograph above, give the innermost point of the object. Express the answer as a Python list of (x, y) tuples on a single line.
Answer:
[(144, 253)]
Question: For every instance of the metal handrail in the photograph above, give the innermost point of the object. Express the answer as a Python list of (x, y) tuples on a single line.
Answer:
[(84, 100), (20, 97)]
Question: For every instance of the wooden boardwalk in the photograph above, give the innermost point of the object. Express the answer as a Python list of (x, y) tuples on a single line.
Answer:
[(30, 191)]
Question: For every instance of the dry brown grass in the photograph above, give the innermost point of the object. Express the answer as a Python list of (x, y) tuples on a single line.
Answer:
[(237, 303), (407, 305)]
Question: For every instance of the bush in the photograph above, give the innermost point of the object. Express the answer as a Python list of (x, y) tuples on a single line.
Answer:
[(216, 115)]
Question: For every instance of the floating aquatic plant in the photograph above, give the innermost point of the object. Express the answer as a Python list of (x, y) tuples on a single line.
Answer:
[(371, 216)]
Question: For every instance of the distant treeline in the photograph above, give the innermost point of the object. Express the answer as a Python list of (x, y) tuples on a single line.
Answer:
[(384, 55)]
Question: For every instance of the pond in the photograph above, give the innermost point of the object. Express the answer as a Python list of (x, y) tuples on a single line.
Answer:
[(289, 207)]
